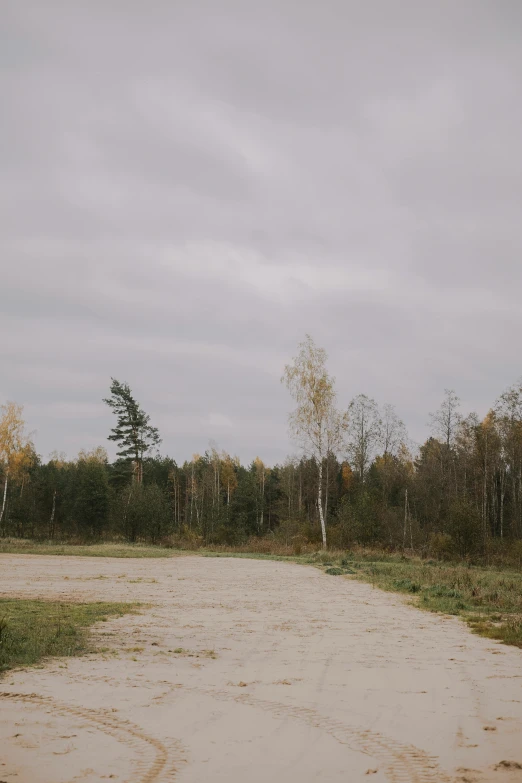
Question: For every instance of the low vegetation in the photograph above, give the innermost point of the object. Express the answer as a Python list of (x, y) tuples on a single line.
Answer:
[(489, 598), (27, 547), (33, 630), (357, 483)]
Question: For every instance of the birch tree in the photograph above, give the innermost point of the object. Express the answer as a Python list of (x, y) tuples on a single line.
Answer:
[(508, 410), (445, 421), (315, 424), (229, 468), (392, 443), (15, 446), (261, 472), (365, 433), (56, 468), (393, 433)]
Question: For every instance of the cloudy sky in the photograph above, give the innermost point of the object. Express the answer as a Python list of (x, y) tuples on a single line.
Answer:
[(187, 188)]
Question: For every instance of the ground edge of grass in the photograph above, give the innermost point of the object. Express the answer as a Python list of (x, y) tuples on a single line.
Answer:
[(32, 630)]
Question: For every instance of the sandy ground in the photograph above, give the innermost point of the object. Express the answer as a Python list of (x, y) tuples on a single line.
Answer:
[(284, 674)]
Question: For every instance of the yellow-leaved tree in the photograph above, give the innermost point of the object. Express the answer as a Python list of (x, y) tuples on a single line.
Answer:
[(316, 424), (15, 446)]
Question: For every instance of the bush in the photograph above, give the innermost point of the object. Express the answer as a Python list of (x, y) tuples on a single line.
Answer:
[(442, 546), (464, 526), (189, 539)]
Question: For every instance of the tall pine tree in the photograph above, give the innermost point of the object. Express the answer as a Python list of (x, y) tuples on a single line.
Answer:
[(133, 432)]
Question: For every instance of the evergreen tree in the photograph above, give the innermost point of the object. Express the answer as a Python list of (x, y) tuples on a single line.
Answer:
[(142, 512), (92, 496), (133, 432)]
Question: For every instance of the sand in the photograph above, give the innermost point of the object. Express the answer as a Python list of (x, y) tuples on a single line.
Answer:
[(284, 674)]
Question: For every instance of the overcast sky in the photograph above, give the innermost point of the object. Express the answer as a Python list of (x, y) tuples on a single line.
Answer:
[(187, 188)]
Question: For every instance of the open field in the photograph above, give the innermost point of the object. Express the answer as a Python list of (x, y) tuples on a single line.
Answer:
[(489, 599), (241, 670)]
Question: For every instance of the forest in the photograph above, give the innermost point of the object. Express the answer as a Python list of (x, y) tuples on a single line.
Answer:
[(356, 480)]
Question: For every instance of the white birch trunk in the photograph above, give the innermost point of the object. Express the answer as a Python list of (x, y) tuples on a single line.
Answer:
[(320, 502), (262, 499), (51, 523), (405, 520), (326, 490), (4, 500)]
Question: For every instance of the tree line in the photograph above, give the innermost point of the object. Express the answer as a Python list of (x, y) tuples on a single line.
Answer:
[(356, 481)]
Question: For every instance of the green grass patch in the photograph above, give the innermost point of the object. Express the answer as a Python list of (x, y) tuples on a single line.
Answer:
[(33, 630)]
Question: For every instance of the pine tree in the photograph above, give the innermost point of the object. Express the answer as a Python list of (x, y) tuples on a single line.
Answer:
[(91, 505), (133, 433)]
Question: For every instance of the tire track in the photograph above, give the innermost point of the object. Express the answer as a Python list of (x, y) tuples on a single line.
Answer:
[(165, 762), (402, 763)]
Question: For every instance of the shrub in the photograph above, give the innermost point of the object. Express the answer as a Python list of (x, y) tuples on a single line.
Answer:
[(442, 546)]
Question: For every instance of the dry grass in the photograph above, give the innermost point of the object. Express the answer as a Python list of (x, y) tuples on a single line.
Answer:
[(19, 546), (489, 598)]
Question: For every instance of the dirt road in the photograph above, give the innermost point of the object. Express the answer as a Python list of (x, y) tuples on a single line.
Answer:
[(250, 671)]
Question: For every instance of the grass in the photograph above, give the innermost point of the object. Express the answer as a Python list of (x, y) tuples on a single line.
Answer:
[(31, 631), (488, 598), (262, 548), (249, 555), (19, 546)]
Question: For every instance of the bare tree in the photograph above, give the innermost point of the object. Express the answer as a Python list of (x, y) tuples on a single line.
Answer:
[(508, 413), (393, 432), (445, 421), (364, 433), (315, 424)]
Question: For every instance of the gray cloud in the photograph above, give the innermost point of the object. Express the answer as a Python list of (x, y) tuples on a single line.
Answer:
[(187, 189)]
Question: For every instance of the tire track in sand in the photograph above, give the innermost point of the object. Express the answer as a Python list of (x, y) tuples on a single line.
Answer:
[(402, 763), (165, 763)]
